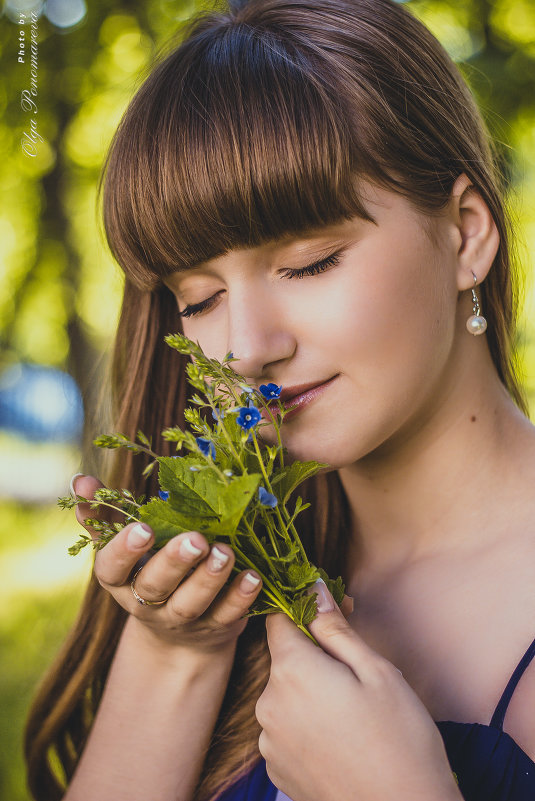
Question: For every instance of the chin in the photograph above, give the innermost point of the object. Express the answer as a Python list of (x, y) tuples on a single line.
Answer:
[(333, 454)]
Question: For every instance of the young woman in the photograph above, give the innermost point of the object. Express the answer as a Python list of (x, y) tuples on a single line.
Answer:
[(310, 185)]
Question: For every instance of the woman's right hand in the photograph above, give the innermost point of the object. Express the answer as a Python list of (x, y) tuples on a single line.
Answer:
[(199, 611)]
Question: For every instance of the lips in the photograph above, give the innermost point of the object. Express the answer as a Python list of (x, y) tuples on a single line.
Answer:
[(299, 395)]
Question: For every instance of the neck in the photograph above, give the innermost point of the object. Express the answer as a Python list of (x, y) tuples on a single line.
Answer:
[(443, 485)]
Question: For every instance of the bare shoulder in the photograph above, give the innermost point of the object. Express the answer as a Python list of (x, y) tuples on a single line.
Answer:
[(516, 631), (457, 628), (513, 565)]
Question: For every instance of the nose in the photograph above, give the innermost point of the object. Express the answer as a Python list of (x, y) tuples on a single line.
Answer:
[(260, 335)]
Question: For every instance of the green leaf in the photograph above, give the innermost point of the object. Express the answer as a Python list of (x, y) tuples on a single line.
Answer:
[(66, 503), (299, 507), (232, 428), (335, 586), (300, 576), (174, 434), (196, 377), (143, 439), (164, 521), (149, 468), (116, 441), (84, 540), (282, 561), (234, 499), (288, 479), (262, 608), (201, 494), (193, 492), (193, 417), (304, 609)]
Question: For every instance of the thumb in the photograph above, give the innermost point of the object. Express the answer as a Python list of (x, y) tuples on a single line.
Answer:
[(334, 634)]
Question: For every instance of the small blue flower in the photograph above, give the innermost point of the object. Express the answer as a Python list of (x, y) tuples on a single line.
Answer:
[(217, 415), (206, 447), (247, 389), (163, 495), (248, 417), (266, 498), (270, 391)]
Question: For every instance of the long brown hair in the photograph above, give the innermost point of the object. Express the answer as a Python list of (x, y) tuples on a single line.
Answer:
[(254, 128)]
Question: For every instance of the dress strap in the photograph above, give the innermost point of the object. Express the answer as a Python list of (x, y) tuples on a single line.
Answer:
[(499, 713)]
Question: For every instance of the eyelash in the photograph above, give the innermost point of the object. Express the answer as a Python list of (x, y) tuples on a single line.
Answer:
[(303, 272)]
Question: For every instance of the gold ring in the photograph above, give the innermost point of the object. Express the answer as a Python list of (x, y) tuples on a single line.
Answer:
[(138, 597)]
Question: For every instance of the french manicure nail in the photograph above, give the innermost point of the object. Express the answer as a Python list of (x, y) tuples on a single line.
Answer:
[(188, 549), (218, 558), (138, 536), (324, 599), (71, 485), (249, 583)]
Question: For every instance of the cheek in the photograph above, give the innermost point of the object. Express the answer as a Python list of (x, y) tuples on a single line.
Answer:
[(389, 326), (210, 332)]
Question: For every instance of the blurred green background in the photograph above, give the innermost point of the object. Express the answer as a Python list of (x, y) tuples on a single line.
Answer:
[(59, 288)]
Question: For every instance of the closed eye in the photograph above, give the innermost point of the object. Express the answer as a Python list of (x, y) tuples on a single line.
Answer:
[(313, 269), (302, 272), (197, 308)]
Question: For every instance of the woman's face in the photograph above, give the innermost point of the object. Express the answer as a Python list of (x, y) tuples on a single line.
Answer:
[(375, 330)]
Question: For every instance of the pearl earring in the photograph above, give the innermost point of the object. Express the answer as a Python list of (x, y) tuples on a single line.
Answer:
[(476, 323)]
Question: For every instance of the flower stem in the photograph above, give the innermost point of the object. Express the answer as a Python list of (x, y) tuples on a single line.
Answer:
[(261, 548), (273, 595), (115, 508), (276, 427)]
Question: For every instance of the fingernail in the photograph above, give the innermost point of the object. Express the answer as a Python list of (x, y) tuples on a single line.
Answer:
[(138, 536), (249, 583), (324, 599), (188, 549), (71, 485), (218, 558)]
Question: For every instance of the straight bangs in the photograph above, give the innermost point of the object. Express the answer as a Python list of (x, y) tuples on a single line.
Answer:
[(233, 140)]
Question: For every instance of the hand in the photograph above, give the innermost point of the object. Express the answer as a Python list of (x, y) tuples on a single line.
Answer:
[(199, 612), (340, 722)]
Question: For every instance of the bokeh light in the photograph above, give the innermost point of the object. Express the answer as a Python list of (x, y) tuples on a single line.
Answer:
[(65, 13), (40, 403)]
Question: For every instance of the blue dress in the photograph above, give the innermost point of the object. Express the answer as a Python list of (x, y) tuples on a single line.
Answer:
[(489, 764)]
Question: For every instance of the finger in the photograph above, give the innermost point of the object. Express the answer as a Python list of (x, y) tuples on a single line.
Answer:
[(114, 562), (347, 606), (167, 569), (236, 601), (334, 634), (283, 636), (197, 594), (85, 486)]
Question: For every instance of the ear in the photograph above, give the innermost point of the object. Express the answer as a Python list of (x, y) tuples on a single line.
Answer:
[(479, 237)]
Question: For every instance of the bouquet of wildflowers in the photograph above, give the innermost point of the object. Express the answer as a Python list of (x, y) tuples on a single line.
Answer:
[(225, 483)]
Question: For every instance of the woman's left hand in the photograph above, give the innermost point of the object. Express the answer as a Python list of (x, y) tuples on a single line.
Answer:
[(340, 722)]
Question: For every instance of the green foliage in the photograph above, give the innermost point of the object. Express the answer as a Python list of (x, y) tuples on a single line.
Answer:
[(230, 487), (288, 479)]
